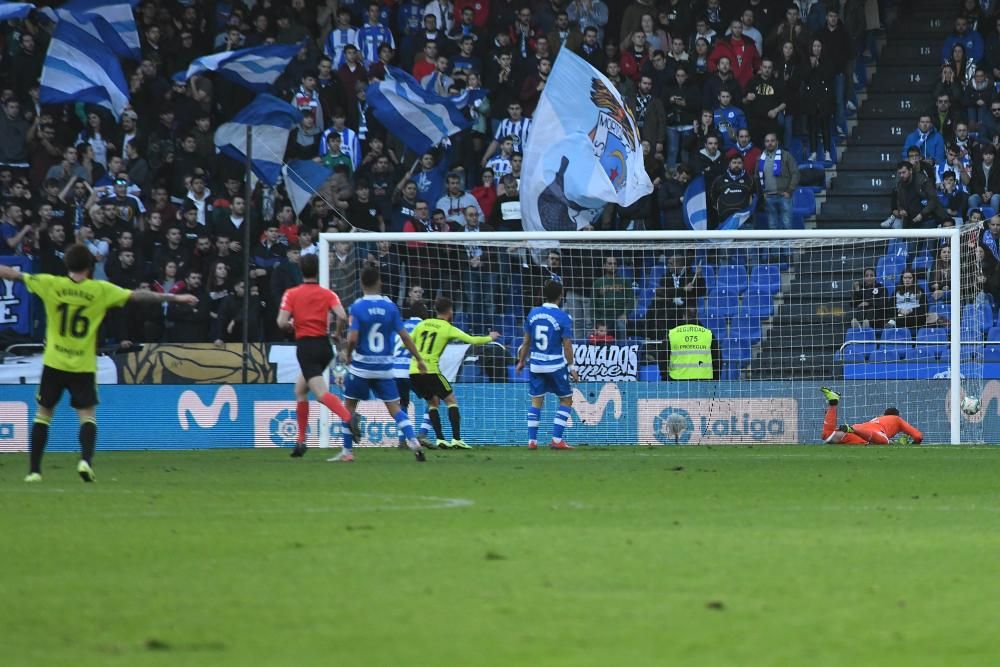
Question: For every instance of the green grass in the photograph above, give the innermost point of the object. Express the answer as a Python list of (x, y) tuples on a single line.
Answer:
[(627, 556)]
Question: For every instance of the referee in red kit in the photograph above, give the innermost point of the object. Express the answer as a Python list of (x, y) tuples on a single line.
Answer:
[(305, 310)]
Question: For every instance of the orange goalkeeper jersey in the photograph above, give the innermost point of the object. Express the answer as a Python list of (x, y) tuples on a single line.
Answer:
[(891, 425)]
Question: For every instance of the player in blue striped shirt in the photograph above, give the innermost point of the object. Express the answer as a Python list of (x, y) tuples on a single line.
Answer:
[(343, 33), (375, 323), (514, 126), (548, 351), (401, 371)]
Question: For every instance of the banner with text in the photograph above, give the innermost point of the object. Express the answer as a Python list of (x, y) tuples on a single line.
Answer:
[(606, 363), (15, 300)]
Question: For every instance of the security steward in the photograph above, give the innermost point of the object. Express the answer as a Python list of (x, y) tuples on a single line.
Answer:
[(694, 353)]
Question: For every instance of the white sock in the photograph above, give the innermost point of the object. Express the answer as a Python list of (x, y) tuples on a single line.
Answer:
[(414, 444)]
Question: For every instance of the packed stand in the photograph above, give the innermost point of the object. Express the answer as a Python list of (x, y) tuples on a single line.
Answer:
[(724, 90)]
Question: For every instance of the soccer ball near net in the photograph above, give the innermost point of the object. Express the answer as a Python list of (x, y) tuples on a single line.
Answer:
[(971, 405)]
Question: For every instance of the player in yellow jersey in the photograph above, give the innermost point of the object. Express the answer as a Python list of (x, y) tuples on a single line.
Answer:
[(74, 309), (432, 336)]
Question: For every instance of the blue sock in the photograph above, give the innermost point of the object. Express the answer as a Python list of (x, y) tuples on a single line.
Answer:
[(425, 424), (404, 426), (534, 414), (400, 433), (559, 421), (345, 430)]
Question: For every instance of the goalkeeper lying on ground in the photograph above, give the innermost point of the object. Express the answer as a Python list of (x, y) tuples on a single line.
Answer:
[(878, 431)]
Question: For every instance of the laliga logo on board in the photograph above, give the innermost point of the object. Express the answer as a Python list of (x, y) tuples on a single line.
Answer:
[(206, 416), (13, 426)]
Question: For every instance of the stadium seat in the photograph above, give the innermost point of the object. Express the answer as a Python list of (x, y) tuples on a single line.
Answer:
[(978, 315), (736, 350), (897, 248), (933, 335), (758, 303), (992, 353), (993, 335), (766, 276), (471, 372), (804, 202), (708, 273), (896, 341), (731, 371), (732, 277), (649, 373), (988, 211), (722, 303), (862, 343), (941, 308), (507, 326), (717, 325), (745, 327), (888, 270), (460, 320), (923, 262)]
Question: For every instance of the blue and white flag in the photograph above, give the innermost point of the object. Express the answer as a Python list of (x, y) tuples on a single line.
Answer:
[(738, 219), (271, 120), (695, 205), (303, 178), (255, 68), (110, 21), (14, 10), (583, 152), (80, 68), (418, 117)]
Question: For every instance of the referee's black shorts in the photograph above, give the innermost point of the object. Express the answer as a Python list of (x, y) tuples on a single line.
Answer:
[(82, 388), (429, 385), (314, 355)]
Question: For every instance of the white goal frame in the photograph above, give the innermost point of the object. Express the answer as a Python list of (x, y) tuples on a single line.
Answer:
[(954, 234)]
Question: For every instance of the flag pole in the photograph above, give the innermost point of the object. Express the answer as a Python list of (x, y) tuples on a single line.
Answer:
[(246, 251)]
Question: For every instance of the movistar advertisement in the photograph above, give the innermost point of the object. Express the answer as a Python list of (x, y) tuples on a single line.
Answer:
[(604, 413)]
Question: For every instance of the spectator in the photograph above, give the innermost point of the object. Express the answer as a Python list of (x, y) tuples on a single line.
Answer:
[(970, 40), (187, 323), (589, 14), (764, 102), (819, 101), (914, 202), (963, 66), (927, 139), (733, 191), (600, 335), (948, 84), (729, 119), (683, 100), (709, 161), (507, 210), (838, 47), (455, 201), (478, 276), (722, 79), (779, 178), (676, 299), (945, 117), (978, 96), (650, 116), (739, 50), (910, 308), (939, 284), (989, 241), (590, 48), (635, 54), (670, 197), (344, 272), (14, 232), (871, 302), (953, 197), (746, 149), (613, 297), (984, 183), (790, 70), (486, 193)]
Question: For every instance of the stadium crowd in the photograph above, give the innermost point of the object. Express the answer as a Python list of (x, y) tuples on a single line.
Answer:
[(720, 89)]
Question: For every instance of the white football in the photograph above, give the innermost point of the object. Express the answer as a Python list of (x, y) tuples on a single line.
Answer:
[(971, 405)]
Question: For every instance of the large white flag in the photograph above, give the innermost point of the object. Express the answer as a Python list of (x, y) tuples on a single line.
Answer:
[(583, 152)]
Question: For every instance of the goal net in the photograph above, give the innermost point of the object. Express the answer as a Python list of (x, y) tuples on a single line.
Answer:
[(885, 318)]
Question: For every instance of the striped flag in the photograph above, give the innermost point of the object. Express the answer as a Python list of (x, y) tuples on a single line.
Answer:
[(695, 205), (14, 10), (80, 68), (303, 178), (272, 119), (418, 117), (107, 20), (255, 68)]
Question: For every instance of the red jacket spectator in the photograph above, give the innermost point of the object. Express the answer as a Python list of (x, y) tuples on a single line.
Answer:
[(632, 62), (742, 54), (480, 8)]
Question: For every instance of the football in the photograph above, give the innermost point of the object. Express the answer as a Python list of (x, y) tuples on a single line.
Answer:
[(970, 405)]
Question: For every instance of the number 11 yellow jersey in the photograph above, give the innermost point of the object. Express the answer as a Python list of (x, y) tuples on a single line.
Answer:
[(74, 312)]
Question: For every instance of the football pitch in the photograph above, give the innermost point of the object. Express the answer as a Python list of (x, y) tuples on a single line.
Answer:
[(804, 555)]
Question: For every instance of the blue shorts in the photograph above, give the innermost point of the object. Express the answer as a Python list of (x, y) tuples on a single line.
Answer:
[(556, 382), (361, 389)]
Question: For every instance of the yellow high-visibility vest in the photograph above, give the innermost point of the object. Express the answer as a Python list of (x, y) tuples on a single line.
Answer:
[(690, 352)]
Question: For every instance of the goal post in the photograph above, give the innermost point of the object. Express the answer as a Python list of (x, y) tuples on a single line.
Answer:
[(781, 307)]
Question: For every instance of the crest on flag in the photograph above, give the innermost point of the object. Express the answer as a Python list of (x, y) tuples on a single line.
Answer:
[(612, 135)]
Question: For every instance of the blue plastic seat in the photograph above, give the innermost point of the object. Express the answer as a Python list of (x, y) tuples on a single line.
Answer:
[(514, 376), (896, 342), (804, 202), (758, 304), (923, 262), (936, 335), (732, 277), (859, 343), (717, 325), (736, 350), (988, 211), (722, 303), (745, 328), (888, 269), (766, 276), (897, 248), (993, 335), (649, 373), (978, 316), (708, 273)]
